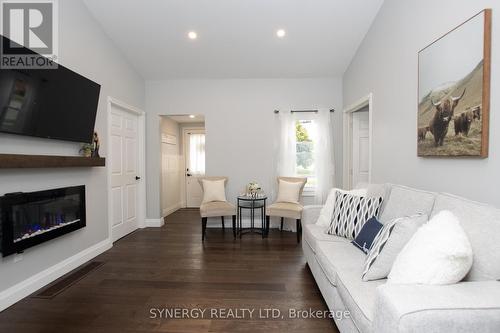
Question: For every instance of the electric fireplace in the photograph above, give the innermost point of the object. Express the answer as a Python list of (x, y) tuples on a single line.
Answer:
[(28, 219)]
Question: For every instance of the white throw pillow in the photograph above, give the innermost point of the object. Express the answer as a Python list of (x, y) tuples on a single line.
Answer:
[(438, 253), (289, 191), (325, 216), (388, 243), (213, 190)]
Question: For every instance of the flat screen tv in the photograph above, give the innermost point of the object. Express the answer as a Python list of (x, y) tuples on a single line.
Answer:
[(49, 103)]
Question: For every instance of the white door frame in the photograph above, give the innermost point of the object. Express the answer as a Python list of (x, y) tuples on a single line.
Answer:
[(141, 150), (347, 122), (185, 139)]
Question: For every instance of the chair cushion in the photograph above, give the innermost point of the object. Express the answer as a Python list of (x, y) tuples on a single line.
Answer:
[(288, 191), (406, 201), (482, 226), (285, 209), (213, 190), (312, 234), (217, 208)]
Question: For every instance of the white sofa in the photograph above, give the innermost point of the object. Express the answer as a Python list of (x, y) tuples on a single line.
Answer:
[(376, 306)]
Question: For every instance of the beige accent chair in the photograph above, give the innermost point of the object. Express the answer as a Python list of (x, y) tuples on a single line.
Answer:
[(215, 209), (287, 209)]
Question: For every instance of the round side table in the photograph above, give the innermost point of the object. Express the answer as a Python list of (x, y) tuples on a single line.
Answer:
[(253, 204)]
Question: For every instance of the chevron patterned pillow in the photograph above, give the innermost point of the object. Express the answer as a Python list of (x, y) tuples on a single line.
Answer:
[(351, 212)]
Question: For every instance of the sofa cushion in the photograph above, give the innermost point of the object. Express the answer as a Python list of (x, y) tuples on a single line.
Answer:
[(336, 256), (406, 201), (482, 226), (379, 190), (358, 296), (343, 264), (313, 233)]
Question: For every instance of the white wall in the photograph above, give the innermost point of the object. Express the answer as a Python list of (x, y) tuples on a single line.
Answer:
[(170, 168), (84, 49), (386, 64), (240, 124)]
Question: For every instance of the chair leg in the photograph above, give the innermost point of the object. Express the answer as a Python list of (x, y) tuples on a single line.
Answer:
[(234, 226), (282, 220), (203, 227), (223, 226), (268, 218), (299, 230)]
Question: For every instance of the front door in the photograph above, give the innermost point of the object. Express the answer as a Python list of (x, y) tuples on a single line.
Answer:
[(360, 148), (195, 166), (124, 172)]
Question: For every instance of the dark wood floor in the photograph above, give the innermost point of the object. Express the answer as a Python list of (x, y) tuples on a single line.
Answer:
[(169, 267)]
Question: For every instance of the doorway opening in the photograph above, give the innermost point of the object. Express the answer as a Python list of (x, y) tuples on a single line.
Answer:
[(182, 161), (358, 119)]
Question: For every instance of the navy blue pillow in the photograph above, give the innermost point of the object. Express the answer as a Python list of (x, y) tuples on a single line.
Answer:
[(367, 234)]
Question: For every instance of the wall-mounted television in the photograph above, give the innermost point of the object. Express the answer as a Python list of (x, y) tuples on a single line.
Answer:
[(54, 103)]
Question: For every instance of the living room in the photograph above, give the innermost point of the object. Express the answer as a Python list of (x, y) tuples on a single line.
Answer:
[(361, 81)]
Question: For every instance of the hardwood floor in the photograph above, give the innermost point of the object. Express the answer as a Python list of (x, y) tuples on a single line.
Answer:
[(166, 268)]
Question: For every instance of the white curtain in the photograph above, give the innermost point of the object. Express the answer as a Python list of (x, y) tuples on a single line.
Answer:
[(287, 144), (323, 155), (197, 154)]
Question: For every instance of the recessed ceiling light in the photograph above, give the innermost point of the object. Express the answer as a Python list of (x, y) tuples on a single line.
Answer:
[(192, 35), (192, 116), (281, 33)]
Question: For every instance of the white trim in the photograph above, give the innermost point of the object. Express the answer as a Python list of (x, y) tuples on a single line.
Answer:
[(347, 151), (141, 220), (24, 288), (154, 223), (169, 210)]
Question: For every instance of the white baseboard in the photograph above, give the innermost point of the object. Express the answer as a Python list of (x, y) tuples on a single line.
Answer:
[(169, 210), (24, 288), (154, 223)]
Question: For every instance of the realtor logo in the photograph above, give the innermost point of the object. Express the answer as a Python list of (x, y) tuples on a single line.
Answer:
[(30, 26)]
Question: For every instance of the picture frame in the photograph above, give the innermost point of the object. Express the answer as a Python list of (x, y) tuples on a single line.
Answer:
[(454, 91)]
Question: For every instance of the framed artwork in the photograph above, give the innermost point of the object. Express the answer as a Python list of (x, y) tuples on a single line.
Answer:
[(454, 91)]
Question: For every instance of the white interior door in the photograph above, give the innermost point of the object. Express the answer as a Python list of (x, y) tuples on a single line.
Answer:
[(360, 148), (124, 172), (195, 166)]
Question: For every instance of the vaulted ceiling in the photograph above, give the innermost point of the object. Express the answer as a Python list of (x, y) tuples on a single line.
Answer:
[(236, 38)]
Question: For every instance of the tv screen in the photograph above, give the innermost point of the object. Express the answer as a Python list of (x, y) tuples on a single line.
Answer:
[(48, 103)]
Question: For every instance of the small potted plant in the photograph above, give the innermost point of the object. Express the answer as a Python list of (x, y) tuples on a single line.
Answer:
[(87, 149)]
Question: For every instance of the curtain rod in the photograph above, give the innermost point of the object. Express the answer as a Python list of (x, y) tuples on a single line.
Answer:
[(295, 111)]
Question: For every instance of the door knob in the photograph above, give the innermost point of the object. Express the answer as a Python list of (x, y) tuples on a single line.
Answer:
[(137, 178)]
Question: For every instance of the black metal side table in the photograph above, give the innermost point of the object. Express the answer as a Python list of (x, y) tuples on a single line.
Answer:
[(252, 204)]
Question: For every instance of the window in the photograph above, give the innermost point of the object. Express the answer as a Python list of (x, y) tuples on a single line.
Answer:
[(306, 134), (197, 153)]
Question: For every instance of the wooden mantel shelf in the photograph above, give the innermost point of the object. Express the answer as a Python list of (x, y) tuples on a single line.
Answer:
[(14, 161)]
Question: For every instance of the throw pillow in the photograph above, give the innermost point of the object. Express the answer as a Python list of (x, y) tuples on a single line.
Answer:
[(438, 253), (325, 216), (350, 214), (213, 190), (367, 234), (387, 245), (289, 191)]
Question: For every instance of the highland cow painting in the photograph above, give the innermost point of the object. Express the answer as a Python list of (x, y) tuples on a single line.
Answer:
[(453, 91)]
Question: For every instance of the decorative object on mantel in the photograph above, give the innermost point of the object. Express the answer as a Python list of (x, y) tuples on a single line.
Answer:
[(253, 189), (87, 150), (454, 91), (97, 144)]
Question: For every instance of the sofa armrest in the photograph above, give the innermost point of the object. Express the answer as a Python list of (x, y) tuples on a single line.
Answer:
[(310, 214), (462, 307)]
